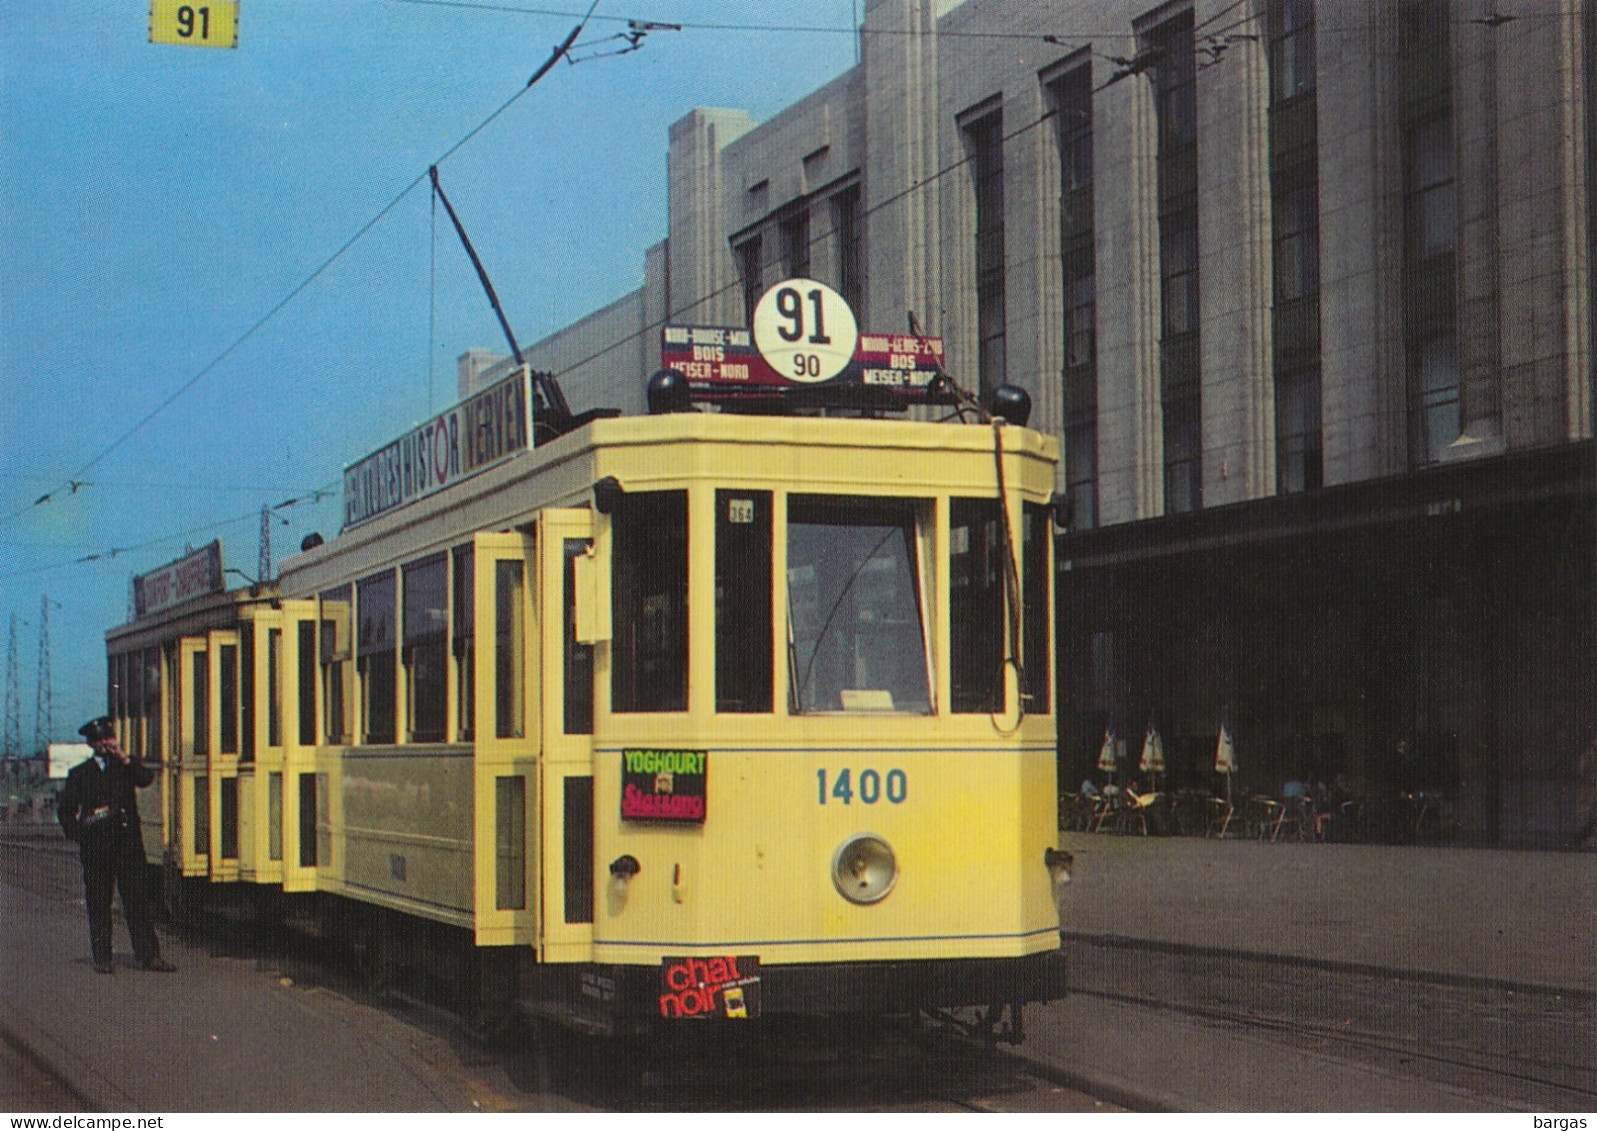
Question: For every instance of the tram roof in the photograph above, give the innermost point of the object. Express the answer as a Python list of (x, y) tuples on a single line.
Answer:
[(644, 450)]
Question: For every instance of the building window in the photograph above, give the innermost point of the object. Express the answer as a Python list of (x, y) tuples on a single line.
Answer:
[(795, 236), (1430, 306), (1433, 412), (1072, 103), (426, 649), (1175, 89), (846, 229), (1178, 265), (1081, 474), (376, 661), (1428, 179), (1175, 85), (751, 272), (1291, 48), (984, 138), (1297, 242), (1299, 464)]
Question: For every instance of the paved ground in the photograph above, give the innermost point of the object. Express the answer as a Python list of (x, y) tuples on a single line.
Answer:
[(1498, 922), (200, 1040), (1448, 941)]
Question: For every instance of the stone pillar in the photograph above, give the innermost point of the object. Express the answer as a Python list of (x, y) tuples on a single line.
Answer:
[(902, 228), (1235, 271), (1130, 418), (1363, 391), (702, 277)]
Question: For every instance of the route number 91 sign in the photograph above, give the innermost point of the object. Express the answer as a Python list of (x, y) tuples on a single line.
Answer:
[(805, 331)]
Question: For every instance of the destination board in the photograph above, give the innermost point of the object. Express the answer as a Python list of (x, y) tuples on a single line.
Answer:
[(723, 365)]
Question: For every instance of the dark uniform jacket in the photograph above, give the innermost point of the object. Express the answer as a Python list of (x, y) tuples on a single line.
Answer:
[(89, 788)]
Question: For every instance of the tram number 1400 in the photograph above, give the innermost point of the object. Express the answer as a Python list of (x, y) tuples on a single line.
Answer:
[(869, 786)]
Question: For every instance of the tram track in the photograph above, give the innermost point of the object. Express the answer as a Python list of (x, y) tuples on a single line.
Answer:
[(1531, 1043)]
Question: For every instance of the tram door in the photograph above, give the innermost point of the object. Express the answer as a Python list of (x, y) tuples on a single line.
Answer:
[(564, 539), (505, 738), (190, 831)]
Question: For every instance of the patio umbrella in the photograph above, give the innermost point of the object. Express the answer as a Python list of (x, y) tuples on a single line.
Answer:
[(1152, 751), (1108, 755), (1225, 753), (1225, 758)]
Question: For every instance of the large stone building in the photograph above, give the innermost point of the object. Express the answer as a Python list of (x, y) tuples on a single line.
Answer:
[(1304, 287)]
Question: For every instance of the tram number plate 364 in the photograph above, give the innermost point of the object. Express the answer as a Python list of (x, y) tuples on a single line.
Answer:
[(726, 987)]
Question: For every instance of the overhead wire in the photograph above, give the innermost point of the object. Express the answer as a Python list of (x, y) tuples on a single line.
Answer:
[(112, 552)]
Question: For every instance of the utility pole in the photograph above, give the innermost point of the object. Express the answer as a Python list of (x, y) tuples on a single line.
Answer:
[(263, 567), (44, 706), (13, 733)]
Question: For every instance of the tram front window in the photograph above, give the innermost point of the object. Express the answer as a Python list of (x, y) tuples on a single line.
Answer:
[(857, 640)]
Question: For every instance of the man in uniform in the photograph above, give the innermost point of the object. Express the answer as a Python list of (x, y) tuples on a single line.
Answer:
[(100, 810)]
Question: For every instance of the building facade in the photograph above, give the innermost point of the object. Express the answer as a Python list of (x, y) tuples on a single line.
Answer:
[(1305, 289)]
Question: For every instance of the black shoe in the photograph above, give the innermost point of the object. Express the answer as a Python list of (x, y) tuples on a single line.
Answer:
[(104, 968), (159, 966)]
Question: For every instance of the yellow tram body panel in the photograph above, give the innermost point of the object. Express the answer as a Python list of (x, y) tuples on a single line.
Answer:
[(757, 878)]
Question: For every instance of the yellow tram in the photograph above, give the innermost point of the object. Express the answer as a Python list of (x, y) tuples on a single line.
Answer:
[(680, 715)]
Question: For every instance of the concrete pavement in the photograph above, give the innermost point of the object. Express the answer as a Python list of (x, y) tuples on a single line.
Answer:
[(1419, 927), (1504, 922)]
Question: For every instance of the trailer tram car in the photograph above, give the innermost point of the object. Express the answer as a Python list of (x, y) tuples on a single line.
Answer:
[(683, 715)]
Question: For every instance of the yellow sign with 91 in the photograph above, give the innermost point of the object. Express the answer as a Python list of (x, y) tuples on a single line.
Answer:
[(210, 24)]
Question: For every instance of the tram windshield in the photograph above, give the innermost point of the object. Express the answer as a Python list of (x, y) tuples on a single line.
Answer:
[(856, 633)]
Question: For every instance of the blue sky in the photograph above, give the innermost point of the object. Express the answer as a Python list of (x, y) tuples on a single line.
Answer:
[(156, 202)]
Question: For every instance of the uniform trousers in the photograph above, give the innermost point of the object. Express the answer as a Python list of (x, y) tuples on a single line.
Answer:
[(118, 863)]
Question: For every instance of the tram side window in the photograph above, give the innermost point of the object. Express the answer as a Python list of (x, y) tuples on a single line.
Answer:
[(246, 692), (374, 604), (743, 664), (463, 641), (202, 815), (227, 690), (152, 704), (1035, 541), (857, 639), (133, 702), (307, 683), (976, 605), (427, 647), (649, 603), (335, 657), (579, 657), (509, 648), (274, 687), (202, 705)]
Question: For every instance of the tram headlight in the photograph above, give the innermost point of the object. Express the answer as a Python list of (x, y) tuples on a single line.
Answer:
[(864, 868), (622, 869)]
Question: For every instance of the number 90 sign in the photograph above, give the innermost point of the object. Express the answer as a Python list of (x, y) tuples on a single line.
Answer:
[(805, 331)]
